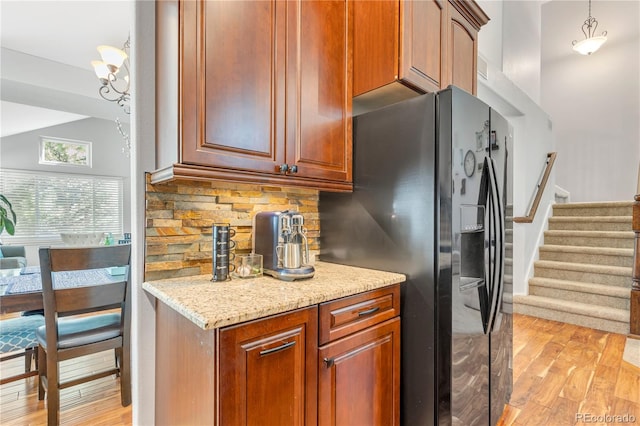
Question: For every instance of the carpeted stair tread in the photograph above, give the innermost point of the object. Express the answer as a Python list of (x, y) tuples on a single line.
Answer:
[(620, 219), (606, 251), (602, 289), (582, 267), (590, 234), (595, 204), (612, 320), (613, 208), (590, 223), (587, 255), (602, 312), (613, 239)]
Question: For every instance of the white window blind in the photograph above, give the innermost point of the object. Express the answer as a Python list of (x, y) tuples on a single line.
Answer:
[(47, 204)]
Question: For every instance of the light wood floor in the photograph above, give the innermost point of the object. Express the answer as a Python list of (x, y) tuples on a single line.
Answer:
[(560, 370), (565, 375), (94, 403)]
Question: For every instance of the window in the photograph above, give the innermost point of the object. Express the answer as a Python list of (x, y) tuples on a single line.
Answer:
[(50, 203), (65, 151)]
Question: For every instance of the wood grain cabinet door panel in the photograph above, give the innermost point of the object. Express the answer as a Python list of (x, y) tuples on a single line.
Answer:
[(463, 52), (375, 44), (233, 84), (268, 371), (319, 93), (423, 29), (359, 378)]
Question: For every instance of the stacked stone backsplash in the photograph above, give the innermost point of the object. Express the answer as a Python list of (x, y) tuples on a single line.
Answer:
[(180, 214)]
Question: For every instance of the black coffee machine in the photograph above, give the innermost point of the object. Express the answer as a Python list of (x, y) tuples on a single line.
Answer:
[(280, 237)]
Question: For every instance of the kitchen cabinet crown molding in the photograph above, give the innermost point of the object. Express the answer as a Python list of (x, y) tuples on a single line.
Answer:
[(472, 12)]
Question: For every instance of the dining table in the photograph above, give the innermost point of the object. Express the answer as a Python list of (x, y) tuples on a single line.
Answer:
[(21, 288)]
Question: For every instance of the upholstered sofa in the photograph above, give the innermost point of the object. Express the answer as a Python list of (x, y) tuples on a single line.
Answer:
[(12, 257)]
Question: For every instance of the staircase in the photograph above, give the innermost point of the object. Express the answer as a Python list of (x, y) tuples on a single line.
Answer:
[(584, 273)]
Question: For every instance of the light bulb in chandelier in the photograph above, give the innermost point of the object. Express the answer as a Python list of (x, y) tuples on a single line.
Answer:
[(112, 57)]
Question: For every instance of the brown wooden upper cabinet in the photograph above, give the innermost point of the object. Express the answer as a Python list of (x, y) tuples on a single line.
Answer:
[(260, 92), (425, 45)]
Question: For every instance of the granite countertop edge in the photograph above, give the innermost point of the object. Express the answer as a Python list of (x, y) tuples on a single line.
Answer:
[(211, 305)]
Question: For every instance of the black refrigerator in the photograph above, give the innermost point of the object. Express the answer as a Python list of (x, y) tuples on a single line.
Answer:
[(431, 186)]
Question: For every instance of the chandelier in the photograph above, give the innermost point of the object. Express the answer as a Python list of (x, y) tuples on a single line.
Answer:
[(113, 73), (591, 43)]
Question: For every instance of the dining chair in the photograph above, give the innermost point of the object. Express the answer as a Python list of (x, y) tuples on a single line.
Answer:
[(70, 333), (18, 339)]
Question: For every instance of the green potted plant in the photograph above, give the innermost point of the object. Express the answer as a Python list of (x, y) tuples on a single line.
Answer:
[(8, 218)]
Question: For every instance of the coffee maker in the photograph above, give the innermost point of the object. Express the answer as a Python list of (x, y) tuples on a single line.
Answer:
[(281, 239)]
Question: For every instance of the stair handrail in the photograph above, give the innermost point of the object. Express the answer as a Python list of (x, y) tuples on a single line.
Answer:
[(551, 158)]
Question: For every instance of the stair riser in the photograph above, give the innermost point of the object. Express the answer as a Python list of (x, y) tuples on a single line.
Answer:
[(589, 226), (584, 277), (590, 259), (593, 211), (588, 241), (581, 320), (581, 297), (508, 269)]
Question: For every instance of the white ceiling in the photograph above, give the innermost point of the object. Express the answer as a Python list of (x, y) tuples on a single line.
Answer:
[(43, 35), (19, 118)]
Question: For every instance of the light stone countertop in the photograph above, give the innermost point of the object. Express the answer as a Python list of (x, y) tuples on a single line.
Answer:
[(212, 305)]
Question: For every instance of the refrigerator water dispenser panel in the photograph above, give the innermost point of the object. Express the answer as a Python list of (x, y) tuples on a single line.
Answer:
[(472, 246)]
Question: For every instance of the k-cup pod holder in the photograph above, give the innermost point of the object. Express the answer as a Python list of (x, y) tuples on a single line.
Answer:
[(223, 251)]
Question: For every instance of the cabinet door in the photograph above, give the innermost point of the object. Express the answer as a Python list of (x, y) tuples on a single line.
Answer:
[(359, 378), (462, 52), (232, 84), (375, 44), (268, 371), (423, 30), (319, 93)]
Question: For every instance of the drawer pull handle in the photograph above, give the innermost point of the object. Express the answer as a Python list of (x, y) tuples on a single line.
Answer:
[(278, 348), (368, 311), (329, 362)]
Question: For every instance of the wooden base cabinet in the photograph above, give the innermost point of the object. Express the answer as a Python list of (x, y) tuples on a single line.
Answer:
[(267, 370), (271, 371), (359, 378)]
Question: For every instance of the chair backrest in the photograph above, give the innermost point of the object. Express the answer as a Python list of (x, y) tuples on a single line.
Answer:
[(88, 296)]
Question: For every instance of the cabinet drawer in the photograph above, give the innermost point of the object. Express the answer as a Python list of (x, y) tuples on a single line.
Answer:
[(344, 316)]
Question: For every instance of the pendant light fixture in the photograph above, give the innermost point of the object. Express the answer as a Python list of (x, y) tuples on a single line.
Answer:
[(592, 42), (113, 73)]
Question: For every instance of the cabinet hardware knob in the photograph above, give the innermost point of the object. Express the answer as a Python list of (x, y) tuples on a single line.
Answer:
[(329, 362), (284, 168), (294, 169), (368, 311), (282, 347)]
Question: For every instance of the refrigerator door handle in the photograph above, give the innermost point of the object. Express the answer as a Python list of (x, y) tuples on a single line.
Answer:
[(498, 235)]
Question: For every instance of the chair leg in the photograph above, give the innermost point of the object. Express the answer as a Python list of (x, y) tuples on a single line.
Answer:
[(28, 356), (42, 371), (118, 356), (53, 392), (125, 375)]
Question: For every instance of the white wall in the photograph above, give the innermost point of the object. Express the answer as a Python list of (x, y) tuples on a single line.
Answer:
[(594, 101), (510, 44), (21, 151), (521, 45), (490, 38), (143, 109)]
